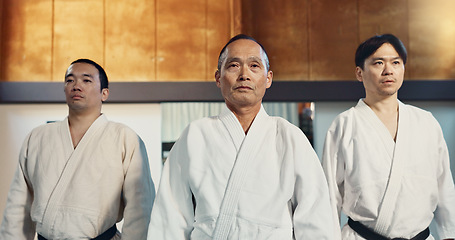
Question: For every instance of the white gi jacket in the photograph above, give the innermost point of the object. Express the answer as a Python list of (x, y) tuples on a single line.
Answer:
[(79, 193), (358, 154), (269, 183)]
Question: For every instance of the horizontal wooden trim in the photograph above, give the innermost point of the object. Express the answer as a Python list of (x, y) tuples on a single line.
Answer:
[(281, 91)]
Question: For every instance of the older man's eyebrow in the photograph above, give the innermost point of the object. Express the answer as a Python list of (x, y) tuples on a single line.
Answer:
[(255, 59), (233, 59), (237, 59)]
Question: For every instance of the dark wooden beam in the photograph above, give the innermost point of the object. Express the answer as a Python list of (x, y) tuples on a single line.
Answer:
[(281, 91)]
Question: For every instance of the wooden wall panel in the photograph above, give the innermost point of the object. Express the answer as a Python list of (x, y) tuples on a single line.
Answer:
[(235, 11), (78, 33), (2, 9), (181, 40), (431, 36), (26, 40), (333, 34), (282, 28), (176, 40), (218, 33), (130, 40), (377, 18), (380, 17)]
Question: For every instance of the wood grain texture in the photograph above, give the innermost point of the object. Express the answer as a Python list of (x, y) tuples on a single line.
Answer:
[(2, 36), (181, 40), (387, 16), (218, 33), (26, 43), (130, 40), (333, 39), (176, 40)]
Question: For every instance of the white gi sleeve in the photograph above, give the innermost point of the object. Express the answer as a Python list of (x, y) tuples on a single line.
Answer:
[(138, 189), (173, 213), (312, 216), (17, 223), (445, 212), (334, 172)]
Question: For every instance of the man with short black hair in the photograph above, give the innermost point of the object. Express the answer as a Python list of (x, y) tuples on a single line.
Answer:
[(386, 162), (78, 177)]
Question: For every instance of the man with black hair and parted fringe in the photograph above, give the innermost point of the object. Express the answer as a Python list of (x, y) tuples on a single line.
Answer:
[(386, 162), (78, 177)]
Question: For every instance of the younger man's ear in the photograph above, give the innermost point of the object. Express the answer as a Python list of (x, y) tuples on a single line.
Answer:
[(358, 74), (105, 94)]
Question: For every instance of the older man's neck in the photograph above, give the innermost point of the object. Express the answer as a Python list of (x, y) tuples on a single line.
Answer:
[(245, 115)]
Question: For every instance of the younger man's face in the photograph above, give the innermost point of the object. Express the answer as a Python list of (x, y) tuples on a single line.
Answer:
[(383, 72)]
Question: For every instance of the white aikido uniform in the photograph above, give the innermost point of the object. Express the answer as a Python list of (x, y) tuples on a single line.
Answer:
[(358, 154), (64, 192), (268, 184)]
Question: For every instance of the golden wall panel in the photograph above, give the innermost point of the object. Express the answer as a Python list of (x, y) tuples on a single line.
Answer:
[(130, 40), (181, 40), (176, 40), (282, 27), (218, 33), (78, 33), (380, 17), (2, 9), (333, 32), (235, 12), (431, 39), (26, 40)]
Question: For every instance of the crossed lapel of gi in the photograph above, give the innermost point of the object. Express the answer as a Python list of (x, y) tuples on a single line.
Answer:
[(370, 117), (396, 172), (245, 155), (72, 163)]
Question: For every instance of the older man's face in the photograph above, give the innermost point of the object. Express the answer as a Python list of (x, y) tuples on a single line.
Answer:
[(243, 77)]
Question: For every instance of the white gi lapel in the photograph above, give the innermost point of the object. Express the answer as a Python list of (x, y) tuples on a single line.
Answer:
[(246, 153), (234, 127), (72, 162), (67, 141), (367, 113), (396, 172)]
